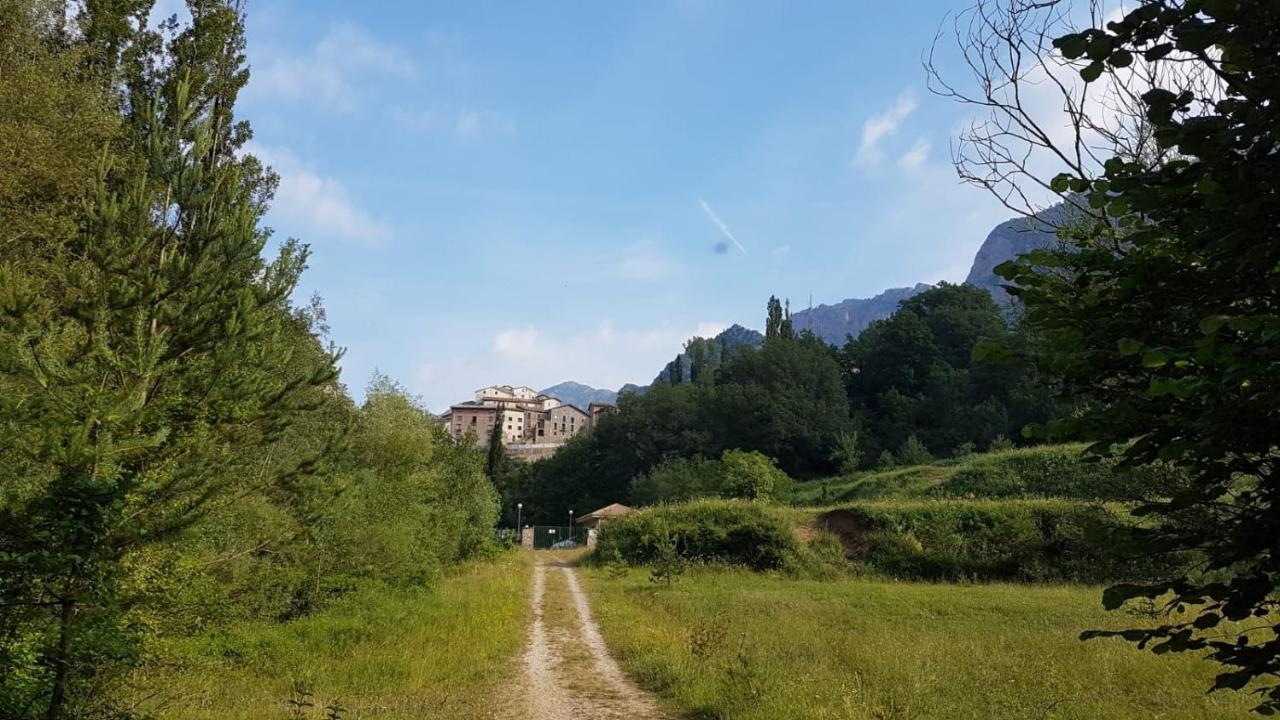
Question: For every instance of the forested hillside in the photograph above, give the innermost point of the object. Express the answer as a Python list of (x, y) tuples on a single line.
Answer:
[(905, 390)]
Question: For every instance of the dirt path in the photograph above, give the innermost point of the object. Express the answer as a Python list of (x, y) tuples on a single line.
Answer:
[(568, 670)]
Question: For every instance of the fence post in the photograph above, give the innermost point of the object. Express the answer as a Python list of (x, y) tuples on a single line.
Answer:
[(526, 537)]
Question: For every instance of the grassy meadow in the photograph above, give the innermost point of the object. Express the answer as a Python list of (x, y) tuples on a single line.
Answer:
[(450, 651), (724, 643)]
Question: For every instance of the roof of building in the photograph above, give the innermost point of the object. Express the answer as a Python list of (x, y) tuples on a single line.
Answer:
[(510, 388), (469, 405), (613, 510), (567, 406)]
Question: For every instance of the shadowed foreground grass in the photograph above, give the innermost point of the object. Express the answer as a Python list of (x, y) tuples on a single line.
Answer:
[(730, 644), (447, 652)]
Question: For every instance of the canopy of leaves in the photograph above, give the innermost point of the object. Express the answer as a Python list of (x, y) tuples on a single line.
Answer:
[(1165, 314), (913, 375)]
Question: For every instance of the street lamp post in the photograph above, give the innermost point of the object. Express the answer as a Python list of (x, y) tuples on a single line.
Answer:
[(570, 533), (519, 508)]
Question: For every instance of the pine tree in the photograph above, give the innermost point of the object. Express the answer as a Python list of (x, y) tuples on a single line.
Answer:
[(136, 355), (773, 320)]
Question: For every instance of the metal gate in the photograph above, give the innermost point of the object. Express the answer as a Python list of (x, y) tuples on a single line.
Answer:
[(558, 537)]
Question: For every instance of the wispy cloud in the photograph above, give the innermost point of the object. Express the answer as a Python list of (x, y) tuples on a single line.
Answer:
[(645, 261), (724, 229), (879, 126), (331, 73), (603, 355), (311, 205), (916, 157), (463, 124)]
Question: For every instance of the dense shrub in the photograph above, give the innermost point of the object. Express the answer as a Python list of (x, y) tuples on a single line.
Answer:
[(737, 474), (1056, 471), (750, 476), (1041, 472), (913, 452), (729, 532), (1019, 540)]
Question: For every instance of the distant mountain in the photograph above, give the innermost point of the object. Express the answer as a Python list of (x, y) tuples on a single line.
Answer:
[(834, 323), (573, 393), (1010, 239), (736, 335), (632, 388)]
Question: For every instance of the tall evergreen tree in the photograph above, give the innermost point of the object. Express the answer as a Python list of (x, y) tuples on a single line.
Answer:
[(142, 355)]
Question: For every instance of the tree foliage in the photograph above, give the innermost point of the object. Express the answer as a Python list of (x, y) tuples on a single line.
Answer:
[(175, 448), (1164, 312), (913, 374)]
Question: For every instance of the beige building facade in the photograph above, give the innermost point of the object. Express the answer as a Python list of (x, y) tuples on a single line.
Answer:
[(532, 424)]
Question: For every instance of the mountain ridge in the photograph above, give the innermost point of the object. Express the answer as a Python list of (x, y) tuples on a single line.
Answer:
[(837, 322)]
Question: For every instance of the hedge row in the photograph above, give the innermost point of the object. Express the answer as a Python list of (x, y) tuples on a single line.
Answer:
[(730, 532), (1055, 471), (948, 540), (1014, 540)]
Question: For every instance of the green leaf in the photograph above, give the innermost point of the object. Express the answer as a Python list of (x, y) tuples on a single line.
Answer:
[(1244, 324), (1128, 346), (1060, 183), (1099, 47), (1071, 46), (1213, 323), (1121, 58), (1155, 358), (993, 352), (1091, 72)]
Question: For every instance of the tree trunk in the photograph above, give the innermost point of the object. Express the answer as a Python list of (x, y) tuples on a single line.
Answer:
[(62, 662)]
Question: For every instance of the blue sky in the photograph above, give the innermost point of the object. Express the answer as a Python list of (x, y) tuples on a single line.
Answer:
[(531, 192)]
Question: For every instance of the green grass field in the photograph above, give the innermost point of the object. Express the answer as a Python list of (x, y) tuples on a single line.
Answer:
[(448, 652), (732, 644)]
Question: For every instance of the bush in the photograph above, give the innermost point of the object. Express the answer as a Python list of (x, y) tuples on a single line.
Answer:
[(726, 532), (1016, 540), (1055, 471), (1000, 444), (913, 452), (1039, 472), (750, 476), (737, 474), (885, 461), (677, 479)]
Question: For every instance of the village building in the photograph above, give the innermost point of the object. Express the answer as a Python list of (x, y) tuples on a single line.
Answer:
[(531, 424), (594, 520)]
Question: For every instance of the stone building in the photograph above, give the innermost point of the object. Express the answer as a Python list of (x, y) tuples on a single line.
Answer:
[(532, 424)]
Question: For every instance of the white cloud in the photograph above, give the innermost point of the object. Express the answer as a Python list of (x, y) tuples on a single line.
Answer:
[(464, 124), (916, 157), (519, 344), (709, 329), (603, 356), (310, 205), (331, 73), (468, 125), (645, 261), (884, 124)]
